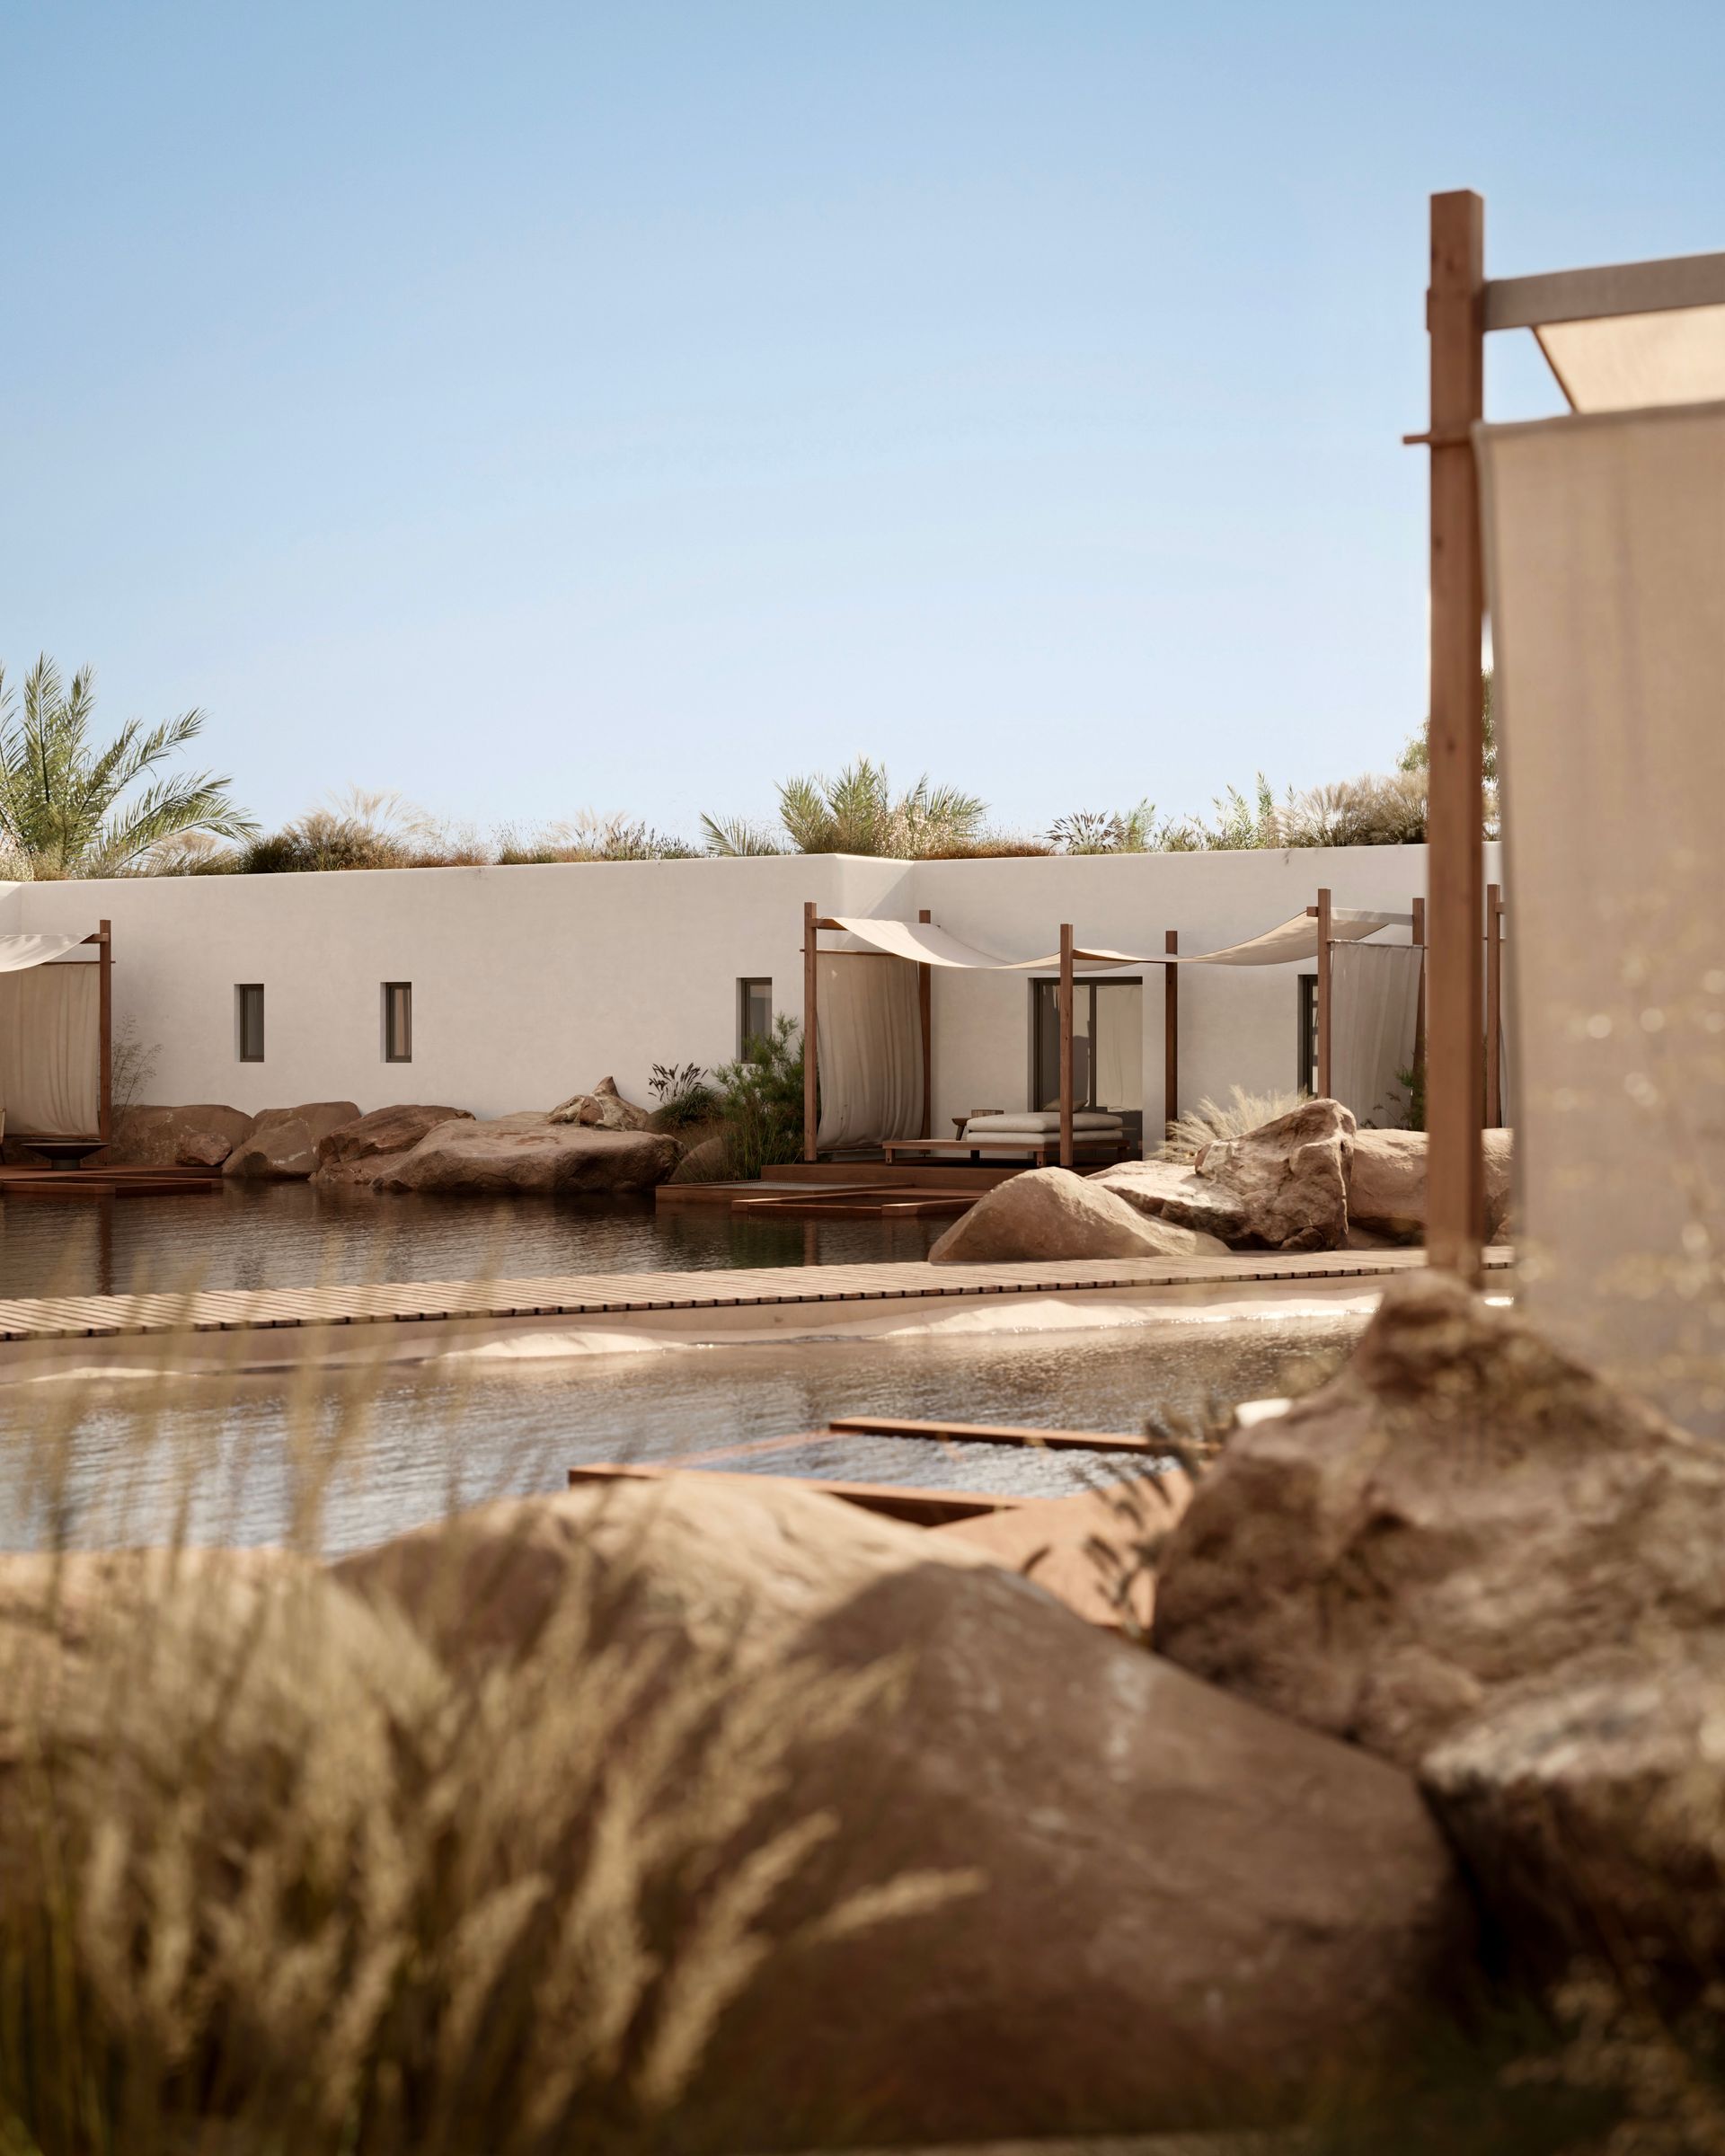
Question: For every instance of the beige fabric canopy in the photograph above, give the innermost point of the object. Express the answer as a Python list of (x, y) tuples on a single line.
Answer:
[(1627, 336), (1606, 561), (18, 953), (1294, 940)]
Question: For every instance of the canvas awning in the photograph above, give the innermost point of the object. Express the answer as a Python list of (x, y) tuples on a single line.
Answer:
[(17, 953), (926, 945), (1626, 337)]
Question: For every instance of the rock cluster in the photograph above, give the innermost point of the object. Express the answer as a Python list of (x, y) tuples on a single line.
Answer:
[(1474, 1558), (604, 1109), (528, 1153), (284, 1141)]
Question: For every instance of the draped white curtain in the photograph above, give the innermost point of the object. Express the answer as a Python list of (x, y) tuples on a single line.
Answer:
[(1606, 557), (1374, 1014), (869, 1042), (51, 1051)]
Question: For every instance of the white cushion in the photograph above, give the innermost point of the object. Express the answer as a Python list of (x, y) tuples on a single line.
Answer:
[(1042, 1123)]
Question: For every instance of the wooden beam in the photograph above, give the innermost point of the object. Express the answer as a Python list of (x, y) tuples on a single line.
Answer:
[(105, 1025), (925, 1004), (1454, 884), (1615, 288), (1170, 1034), (1064, 999), (1493, 1006), (1323, 993), (810, 1097)]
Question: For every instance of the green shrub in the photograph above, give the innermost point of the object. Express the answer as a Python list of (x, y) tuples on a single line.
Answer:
[(760, 1100)]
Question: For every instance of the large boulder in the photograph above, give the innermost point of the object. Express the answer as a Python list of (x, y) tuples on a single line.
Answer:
[(528, 1153), (1474, 1557), (1159, 1904), (282, 1144), (1283, 1187), (1386, 1182), (200, 1137), (358, 1152), (604, 1109), (1052, 1212)]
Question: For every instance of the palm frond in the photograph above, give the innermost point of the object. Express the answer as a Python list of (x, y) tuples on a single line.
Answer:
[(736, 835)]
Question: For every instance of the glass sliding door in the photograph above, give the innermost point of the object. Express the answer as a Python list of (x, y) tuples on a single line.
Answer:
[(1107, 1045)]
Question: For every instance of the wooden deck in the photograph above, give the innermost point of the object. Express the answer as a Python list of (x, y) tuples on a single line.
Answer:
[(604, 1295)]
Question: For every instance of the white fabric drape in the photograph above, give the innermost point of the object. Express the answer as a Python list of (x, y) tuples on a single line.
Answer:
[(869, 1048), (1605, 554), (19, 952), (1374, 1014), (51, 1049)]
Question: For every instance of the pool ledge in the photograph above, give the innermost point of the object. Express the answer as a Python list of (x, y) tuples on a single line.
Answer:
[(236, 1331)]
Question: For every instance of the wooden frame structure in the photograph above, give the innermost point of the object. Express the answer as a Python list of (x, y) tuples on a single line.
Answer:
[(1463, 308), (91, 1141)]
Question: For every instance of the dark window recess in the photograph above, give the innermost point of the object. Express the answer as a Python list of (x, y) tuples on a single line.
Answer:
[(248, 1014), (398, 1021), (754, 1015), (1307, 1068)]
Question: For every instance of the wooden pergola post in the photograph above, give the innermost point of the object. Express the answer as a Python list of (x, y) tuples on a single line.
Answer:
[(1323, 910), (810, 914), (925, 1004), (105, 1023), (1170, 1034), (1493, 1006), (1455, 319), (1065, 994)]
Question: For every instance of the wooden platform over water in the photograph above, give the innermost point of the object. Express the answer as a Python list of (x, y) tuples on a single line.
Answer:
[(607, 1295)]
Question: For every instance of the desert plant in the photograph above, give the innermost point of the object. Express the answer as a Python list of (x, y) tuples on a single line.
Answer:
[(1378, 810), (131, 1065), (760, 1100), (1198, 1126), (682, 1095), (588, 838), (736, 835), (62, 806), (1102, 831), (858, 812)]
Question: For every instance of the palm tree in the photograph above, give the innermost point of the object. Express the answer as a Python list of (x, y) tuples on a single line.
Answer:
[(857, 812), (60, 808)]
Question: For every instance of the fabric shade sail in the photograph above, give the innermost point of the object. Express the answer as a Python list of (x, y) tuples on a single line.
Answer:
[(1606, 562), (1630, 362), (19, 953), (50, 1050), (1375, 1014), (1294, 940), (868, 1049)]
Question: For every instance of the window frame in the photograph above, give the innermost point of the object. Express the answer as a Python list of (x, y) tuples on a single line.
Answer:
[(243, 991), (394, 1050), (1045, 993), (1305, 1040), (745, 1034)]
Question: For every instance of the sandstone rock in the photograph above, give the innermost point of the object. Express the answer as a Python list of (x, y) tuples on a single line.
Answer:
[(356, 1153), (604, 1109), (1052, 1212), (1289, 1177), (1386, 1182), (1476, 1559), (1183, 1903), (201, 1136), (1094, 1551), (1386, 1186), (529, 1153), (283, 1141), (1167, 1190), (707, 1161)]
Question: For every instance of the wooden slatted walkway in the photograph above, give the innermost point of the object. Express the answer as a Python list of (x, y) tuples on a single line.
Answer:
[(608, 1295)]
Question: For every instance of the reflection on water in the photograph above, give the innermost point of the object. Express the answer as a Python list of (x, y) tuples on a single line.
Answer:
[(289, 1235), (400, 1449)]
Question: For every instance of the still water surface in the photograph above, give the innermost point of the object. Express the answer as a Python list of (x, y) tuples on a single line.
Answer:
[(289, 1235)]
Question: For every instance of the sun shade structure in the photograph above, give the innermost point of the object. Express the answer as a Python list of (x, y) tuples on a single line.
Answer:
[(869, 1017), (1634, 347), (56, 1041)]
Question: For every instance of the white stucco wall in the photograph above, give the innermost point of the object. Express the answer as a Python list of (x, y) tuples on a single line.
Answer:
[(530, 984)]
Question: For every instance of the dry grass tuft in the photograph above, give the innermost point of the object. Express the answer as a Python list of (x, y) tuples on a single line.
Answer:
[(1210, 1120)]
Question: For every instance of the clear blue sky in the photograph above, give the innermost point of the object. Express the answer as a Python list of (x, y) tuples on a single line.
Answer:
[(620, 407)]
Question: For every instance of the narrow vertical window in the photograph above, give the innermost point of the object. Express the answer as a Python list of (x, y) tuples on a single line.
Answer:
[(398, 1021), (248, 1020), (1306, 1065), (753, 1016)]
